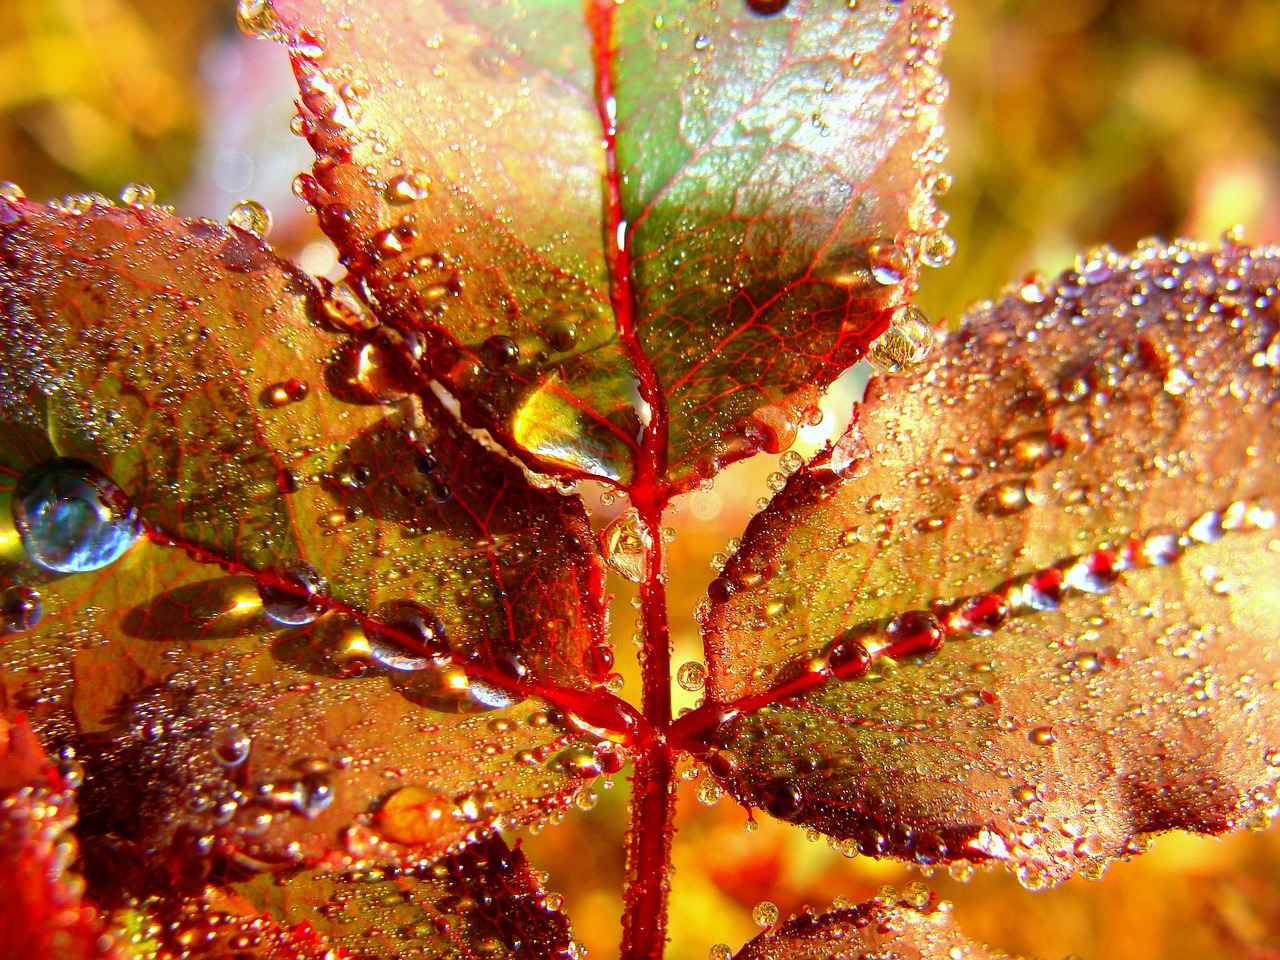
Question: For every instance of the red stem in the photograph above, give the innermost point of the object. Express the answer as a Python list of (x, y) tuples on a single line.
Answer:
[(649, 834)]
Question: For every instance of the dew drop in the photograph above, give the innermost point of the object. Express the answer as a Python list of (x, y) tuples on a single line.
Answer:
[(11, 191), (71, 517), (782, 799), (905, 345), (981, 616), (292, 591), (407, 188), (138, 195), (21, 608), (765, 913), (767, 8), (720, 951), (251, 217), (1042, 736), (230, 746), (691, 676), (407, 636), (258, 19), (888, 262), (499, 354), (626, 544), (709, 791)]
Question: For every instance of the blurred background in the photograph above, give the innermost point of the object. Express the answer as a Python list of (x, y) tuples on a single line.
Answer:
[(1070, 123)]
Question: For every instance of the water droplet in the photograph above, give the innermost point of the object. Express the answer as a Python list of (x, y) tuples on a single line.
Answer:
[(913, 634), (71, 517), (415, 814), (691, 676), (782, 799), (767, 8), (709, 791), (905, 345), (720, 951), (407, 187), (138, 195), (258, 19), (888, 262), (230, 746), (765, 913), (407, 636), (499, 354), (1096, 573), (981, 616), (626, 544), (11, 191), (293, 592), (1041, 736), (251, 217), (848, 659), (20, 608)]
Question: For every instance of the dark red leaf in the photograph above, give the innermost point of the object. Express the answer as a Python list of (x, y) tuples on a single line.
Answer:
[(333, 600), (485, 901), (913, 928), (1024, 609), (639, 240)]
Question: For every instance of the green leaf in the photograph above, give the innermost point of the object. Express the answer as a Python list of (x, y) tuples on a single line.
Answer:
[(640, 241), (218, 706), (1024, 609)]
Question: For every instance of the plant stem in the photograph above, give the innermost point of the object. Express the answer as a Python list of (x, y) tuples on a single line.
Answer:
[(651, 828)]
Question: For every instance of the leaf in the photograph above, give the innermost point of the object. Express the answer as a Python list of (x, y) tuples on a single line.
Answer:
[(639, 241), (42, 913), (876, 930), (483, 902), (1023, 610), (776, 173), (217, 705)]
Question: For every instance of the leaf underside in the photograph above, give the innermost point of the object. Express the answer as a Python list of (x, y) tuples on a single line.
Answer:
[(153, 348), (639, 240), (1057, 547), (875, 929)]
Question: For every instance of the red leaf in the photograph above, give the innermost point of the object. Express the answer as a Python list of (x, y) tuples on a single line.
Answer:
[(231, 709), (485, 901), (912, 929), (640, 241), (42, 914), (1023, 609)]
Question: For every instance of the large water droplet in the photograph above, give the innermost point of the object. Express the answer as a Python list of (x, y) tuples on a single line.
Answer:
[(257, 19), (251, 217), (626, 543), (905, 345), (407, 636), (292, 591), (71, 517)]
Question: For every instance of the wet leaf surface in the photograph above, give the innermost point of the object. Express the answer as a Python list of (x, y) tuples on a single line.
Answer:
[(42, 913), (637, 241), (881, 928), (485, 901), (776, 167), (1026, 608), (332, 601)]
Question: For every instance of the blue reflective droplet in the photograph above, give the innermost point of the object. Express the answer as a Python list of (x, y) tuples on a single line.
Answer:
[(293, 592), (72, 517)]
